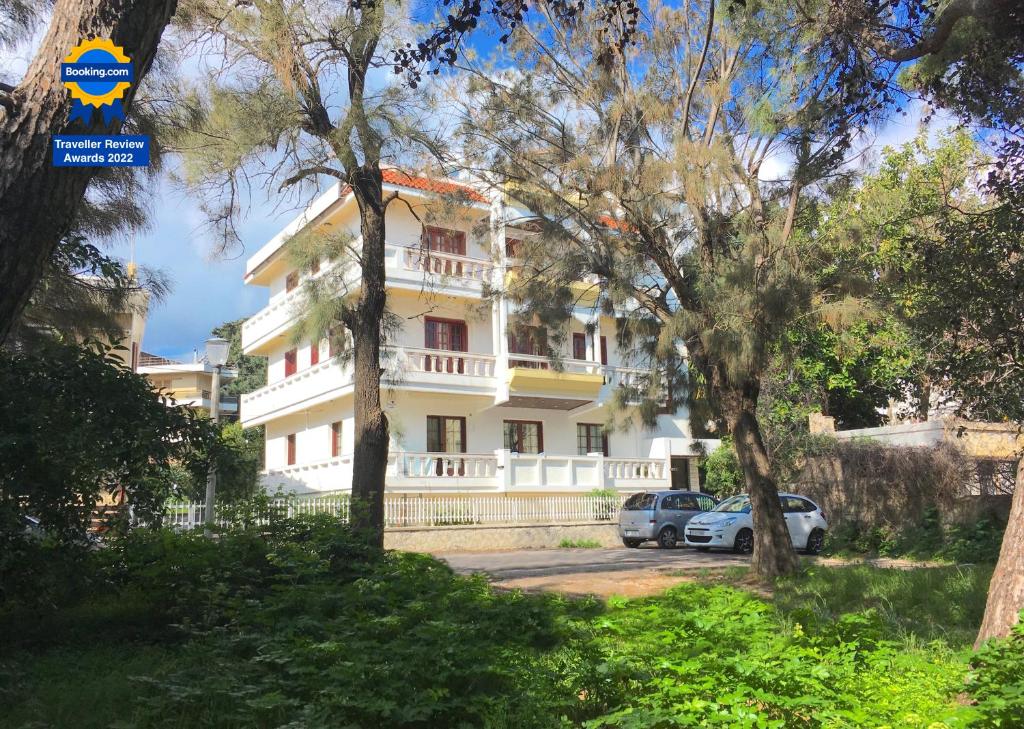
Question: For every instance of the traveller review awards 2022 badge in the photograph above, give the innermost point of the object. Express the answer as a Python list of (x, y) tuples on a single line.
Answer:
[(97, 73)]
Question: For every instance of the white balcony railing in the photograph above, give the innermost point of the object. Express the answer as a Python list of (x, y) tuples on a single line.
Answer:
[(452, 363), (497, 472), (271, 320), (451, 265)]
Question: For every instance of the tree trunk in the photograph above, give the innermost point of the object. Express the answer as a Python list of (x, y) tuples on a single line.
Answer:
[(1006, 590), (773, 548), (370, 455), (38, 201)]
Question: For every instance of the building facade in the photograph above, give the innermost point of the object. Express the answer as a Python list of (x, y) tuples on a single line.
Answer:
[(473, 405), (188, 383)]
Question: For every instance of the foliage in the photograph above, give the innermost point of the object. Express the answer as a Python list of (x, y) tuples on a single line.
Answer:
[(252, 369), (76, 426), (723, 475), (916, 606), (946, 257), (928, 538), (237, 456), (247, 630), (996, 681), (579, 544)]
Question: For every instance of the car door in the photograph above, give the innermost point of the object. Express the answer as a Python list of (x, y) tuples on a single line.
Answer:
[(798, 520), (669, 512), (689, 507)]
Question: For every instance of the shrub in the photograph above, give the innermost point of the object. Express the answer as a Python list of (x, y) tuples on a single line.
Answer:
[(996, 681), (723, 475), (579, 544)]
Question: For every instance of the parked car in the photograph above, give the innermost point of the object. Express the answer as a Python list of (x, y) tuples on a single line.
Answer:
[(731, 526), (660, 515)]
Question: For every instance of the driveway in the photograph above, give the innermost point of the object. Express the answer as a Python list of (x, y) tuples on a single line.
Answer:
[(603, 572)]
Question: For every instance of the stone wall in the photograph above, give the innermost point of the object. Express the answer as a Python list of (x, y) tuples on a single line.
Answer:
[(481, 538)]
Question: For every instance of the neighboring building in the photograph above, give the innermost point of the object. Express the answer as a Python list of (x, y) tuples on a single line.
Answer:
[(189, 383), (473, 406)]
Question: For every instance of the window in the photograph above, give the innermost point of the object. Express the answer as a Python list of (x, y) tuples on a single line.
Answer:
[(314, 267), (449, 335), (291, 281), (604, 350), (335, 439), (531, 340), (314, 353), (524, 436), (590, 438), (443, 240), (640, 502), (513, 247), (447, 434), (290, 362), (291, 449), (579, 346), (795, 505)]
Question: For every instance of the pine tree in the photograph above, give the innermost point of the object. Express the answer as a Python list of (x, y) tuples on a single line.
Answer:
[(291, 105), (644, 170)]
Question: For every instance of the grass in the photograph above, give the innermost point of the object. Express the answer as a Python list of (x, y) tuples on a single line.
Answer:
[(579, 544), (304, 629)]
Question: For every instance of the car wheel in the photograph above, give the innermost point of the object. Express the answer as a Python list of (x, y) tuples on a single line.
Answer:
[(816, 541), (744, 542), (703, 549), (667, 538), (632, 543)]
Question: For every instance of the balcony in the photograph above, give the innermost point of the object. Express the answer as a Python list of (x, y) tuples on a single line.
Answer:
[(500, 472), (424, 369), (406, 267)]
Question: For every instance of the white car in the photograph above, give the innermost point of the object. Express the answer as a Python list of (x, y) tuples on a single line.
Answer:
[(731, 526)]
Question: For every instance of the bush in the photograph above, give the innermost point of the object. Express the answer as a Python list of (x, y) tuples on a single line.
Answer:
[(929, 538), (723, 475), (997, 682)]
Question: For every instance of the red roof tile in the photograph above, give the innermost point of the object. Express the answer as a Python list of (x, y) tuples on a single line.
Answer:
[(427, 184)]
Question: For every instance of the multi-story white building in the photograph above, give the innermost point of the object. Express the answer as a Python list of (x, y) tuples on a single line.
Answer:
[(472, 407)]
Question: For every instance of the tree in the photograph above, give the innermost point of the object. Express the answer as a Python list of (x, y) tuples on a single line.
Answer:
[(643, 171), (75, 426), (291, 107), (252, 370), (39, 202), (948, 255)]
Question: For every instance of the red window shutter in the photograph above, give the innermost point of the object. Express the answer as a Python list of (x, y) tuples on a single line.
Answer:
[(290, 362), (315, 268), (314, 353), (513, 246), (291, 449), (335, 439), (604, 351), (291, 281), (579, 346)]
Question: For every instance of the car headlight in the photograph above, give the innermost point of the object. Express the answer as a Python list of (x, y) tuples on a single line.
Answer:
[(729, 522)]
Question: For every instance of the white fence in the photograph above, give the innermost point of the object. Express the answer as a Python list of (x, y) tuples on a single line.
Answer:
[(409, 511)]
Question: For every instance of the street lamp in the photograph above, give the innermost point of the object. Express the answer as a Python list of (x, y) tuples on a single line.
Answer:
[(216, 355)]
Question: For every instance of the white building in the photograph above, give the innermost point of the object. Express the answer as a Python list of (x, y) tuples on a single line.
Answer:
[(466, 413)]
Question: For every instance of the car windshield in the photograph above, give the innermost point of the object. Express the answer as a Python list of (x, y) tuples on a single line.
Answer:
[(735, 505), (640, 502)]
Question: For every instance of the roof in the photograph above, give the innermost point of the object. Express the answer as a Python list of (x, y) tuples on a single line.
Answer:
[(338, 193), (431, 184), (151, 360)]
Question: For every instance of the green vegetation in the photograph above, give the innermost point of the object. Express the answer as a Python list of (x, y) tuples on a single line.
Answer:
[(305, 626), (975, 542), (579, 544)]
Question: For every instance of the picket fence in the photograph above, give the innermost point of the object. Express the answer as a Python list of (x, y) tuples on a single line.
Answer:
[(417, 511)]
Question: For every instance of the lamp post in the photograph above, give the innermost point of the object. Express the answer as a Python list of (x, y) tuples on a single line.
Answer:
[(216, 355)]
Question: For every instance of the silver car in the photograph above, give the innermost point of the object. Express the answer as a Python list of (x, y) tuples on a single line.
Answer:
[(660, 515)]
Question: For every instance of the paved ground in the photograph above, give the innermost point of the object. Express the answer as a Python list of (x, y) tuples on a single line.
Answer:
[(619, 571), (603, 572)]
